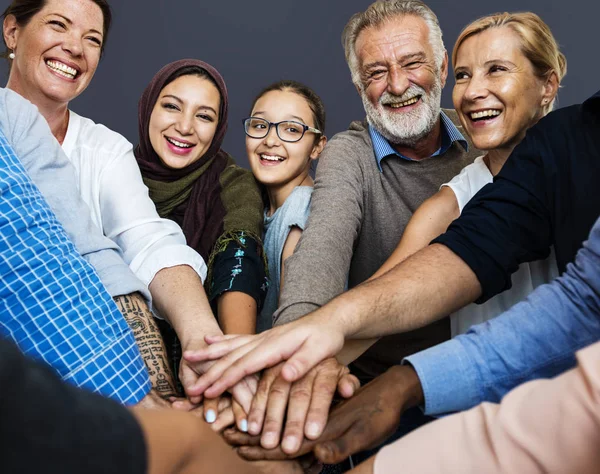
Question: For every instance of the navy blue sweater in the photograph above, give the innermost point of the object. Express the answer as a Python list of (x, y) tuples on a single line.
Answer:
[(547, 194)]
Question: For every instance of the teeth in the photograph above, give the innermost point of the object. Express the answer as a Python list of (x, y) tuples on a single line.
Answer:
[(62, 69), (484, 113), (405, 103), (271, 158), (179, 144)]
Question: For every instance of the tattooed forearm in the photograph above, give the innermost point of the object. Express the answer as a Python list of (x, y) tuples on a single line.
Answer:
[(149, 341)]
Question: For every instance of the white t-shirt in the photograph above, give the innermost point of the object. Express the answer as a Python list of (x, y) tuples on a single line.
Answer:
[(111, 184), (529, 275)]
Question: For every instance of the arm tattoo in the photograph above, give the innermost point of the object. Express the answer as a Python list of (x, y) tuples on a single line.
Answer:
[(149, 341)]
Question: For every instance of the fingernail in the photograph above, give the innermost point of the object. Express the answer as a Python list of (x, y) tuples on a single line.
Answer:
[(290, 372), (244, 426), (313, 430), (289, 444), (269, 440), (325, 452), (210, 416), (254, 428)]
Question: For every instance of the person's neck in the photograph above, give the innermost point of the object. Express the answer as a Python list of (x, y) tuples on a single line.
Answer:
[(279, 194), (56, 114), (425, 147), (495, 159)]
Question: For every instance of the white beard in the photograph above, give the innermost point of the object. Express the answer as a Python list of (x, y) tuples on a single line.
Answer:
[(406, 128)]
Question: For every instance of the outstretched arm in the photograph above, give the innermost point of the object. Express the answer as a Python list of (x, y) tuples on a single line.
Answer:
[(429, 221)]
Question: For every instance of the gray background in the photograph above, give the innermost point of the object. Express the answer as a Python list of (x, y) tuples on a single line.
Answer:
[(305, 45)]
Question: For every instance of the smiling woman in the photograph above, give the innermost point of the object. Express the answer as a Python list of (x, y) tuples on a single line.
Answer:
[(55, 47), (182, 122)]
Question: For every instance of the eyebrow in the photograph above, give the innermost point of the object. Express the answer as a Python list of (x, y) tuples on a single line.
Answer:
[(402, 59), (174, 97), (300, 119), (70, 23), (501, 61)]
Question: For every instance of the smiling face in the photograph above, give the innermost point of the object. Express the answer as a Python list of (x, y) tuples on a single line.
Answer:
[(274, 162), (57, 52), (497, 94), (401, 84), (184, 120)]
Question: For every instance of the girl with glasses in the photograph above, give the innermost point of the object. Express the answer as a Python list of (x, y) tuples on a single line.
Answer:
[(284, 135)]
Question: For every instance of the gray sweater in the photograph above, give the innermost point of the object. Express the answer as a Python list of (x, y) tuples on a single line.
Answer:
[(357, 217)]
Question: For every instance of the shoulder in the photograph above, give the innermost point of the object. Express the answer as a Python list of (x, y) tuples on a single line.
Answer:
[(96, 137), (295, 210), (354, 140), (348, 152), (234, 175), (475, 170), (16, 113)]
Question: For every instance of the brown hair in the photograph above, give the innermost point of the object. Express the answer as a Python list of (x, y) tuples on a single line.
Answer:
[(314, 101), (24, 10)]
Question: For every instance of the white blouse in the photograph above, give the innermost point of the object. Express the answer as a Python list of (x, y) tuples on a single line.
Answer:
[(111, 184), (529, 275)]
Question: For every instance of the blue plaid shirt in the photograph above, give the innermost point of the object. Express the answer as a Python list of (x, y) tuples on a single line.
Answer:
[(52, 303), (450, 134)]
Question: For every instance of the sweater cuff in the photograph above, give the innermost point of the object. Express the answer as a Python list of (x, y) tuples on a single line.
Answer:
[(293, 312)]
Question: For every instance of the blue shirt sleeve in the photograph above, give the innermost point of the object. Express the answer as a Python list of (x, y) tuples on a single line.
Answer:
[(52, 303), (535, 338)]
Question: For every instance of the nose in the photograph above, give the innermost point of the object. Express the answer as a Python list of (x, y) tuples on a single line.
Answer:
[(73, 44), (476, 88), (184, 124), (272, 139), (398, 82)]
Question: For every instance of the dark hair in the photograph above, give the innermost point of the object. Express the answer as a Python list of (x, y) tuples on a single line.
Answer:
[(198, 72), (314, 101), (24, 10)]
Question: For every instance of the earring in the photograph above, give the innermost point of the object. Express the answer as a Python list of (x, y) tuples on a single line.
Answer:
[(545, 101), (11, 55)]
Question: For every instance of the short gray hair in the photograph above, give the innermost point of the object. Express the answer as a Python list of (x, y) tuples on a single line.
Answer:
[(384, 10)]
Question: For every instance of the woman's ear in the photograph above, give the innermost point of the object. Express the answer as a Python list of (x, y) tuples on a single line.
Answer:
[(10, 30), (550, 88), (318, 147)]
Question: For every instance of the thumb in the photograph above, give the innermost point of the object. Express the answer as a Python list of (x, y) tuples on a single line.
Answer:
[(335, 451)]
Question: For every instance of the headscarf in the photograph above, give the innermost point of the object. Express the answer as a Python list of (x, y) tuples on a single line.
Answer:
[(211, 199)]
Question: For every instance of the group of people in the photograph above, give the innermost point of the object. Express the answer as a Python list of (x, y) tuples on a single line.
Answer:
[(422, 263)]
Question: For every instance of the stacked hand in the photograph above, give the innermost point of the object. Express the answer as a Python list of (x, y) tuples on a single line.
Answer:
[(301, 345), (362, 422), (220, 411)]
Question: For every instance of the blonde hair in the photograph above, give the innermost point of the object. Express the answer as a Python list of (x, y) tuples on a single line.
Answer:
[(537, 43), (382, 11)]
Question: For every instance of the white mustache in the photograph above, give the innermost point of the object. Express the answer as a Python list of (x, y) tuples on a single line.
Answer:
[(413, 91)]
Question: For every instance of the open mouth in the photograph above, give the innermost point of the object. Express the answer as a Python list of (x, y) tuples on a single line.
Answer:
[(406, 103), (484, 115), (179, 144), (62, 69), (270, 159)]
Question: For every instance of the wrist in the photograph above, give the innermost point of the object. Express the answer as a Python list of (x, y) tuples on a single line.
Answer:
[(192, 337), (406, 385)]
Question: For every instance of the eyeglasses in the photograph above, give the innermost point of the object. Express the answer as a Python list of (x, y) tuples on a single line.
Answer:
[(288, 131)]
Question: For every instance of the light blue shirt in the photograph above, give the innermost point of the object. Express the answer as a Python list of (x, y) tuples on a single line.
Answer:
[(450, 134), (535, 338), (293, 213), (52, 303)]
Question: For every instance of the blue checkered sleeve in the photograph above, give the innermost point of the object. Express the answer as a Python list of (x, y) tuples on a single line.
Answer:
[(52, 303)]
